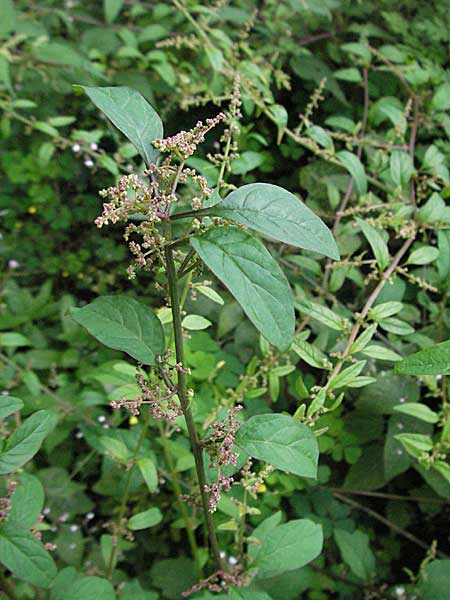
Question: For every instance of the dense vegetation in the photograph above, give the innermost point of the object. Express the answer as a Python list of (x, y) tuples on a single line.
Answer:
[(133, 369)]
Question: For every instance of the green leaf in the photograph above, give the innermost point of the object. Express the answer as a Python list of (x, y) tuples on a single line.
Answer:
[(25, 556), (434, 580), (90, 588), (280, 441), (9, 405), (8, 18), (378, 245), (123, 324), (396, 326), (131, 114), (23, 444), (384, 310), (112, 8), (149, 473), (430, 361), (288, 547), (148, 518), (27, 501), (309, 353), (116, 448), (401, 166), (320, 313), (415, 443), (381, 353), (196, 322), (209, 293), (356, 552), (419, 411), (247, 269), (423, 256), (441, 98), (14, 340), (319, 135), (277, 213), (354, 166), (347, 375)]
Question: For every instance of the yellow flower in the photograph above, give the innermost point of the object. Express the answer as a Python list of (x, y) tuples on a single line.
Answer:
[(133, 420), (32, 210), (261, 489)]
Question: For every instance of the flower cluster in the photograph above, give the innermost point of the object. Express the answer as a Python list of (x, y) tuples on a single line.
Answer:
[(220, 581), (219, 445), (184, 143), (5, 502)]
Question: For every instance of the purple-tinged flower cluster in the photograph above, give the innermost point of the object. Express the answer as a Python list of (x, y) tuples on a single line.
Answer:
[(220, 581), (5, 502)]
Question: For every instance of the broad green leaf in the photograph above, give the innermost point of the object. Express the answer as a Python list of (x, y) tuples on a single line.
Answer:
[(434, 581), (27, 501), (401, 166), (196, 322), (25, 556), (423, 255), (280, 441), (247, 269), (116, 448), (23, 444), (123, 324), (131, 114), (90, 588), (356, 552), (430, 361), (277, 213), (112, 8), (378, 245), (417, 410), (354, 166), (441, 98), (396, 326), (288, 547), (9, 405), (320, 313), (149, 473), (148, 518)]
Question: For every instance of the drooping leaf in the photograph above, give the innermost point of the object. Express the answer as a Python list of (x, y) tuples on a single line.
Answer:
[(277, 213), (354, 166), (288, 547), (280, 441), (25, 556), (356, 552), (23, 444), (247, 269), (131, 114), (123, 324), (378, 245), (430, 361)]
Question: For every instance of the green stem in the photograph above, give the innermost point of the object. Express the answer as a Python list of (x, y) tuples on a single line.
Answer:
[(242, 526), (182, 395), (126, 493), (178, 493)]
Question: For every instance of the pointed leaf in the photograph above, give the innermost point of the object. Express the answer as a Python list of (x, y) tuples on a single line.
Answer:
[(123, 324), (277, 213), (354, 166), (247, 269), (131, 114), (280, 441), (430, 361)]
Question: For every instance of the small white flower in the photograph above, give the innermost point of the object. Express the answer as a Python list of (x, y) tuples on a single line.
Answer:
[(402, 400), (222, 554), (90, 515), (399, 591), (73, 528), (106, 426), (101, 419), (63, 518), (399, 452), (79, 435), (233, 560), (88, 163), (93, 146), (438, 377), (72, 546), (46, 511), (76, 148), (13, 263), (400, 425)]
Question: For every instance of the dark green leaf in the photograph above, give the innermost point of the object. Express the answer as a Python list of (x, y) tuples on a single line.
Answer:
[(354, 166), (132, 114), (123, 324), (247, 269), (280, 441), (25, 556), (277, 213), (356, 552), (430, 361)]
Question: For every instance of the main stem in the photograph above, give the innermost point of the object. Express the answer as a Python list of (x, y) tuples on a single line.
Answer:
[(182, 395)]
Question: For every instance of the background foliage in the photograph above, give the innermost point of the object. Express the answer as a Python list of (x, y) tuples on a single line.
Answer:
[(345, 104)]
